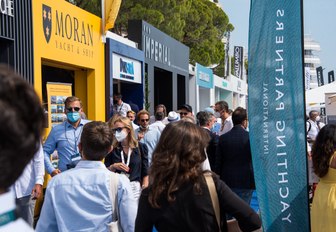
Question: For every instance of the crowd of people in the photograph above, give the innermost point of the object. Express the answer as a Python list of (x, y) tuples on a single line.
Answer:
[(171, 171)]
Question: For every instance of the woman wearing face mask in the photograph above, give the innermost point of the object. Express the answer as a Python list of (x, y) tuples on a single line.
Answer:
[(129, 157)]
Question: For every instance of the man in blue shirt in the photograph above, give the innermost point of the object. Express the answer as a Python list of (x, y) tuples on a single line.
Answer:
[(65, 138), (82, 198), (147, 134)]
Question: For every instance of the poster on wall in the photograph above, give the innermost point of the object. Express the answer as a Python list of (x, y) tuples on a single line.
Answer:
[(57, 93)]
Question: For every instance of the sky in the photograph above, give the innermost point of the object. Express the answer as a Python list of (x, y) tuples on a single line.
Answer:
[(319, 23)]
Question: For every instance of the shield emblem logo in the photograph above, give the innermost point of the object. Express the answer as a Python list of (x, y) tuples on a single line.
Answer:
[(47, 25)]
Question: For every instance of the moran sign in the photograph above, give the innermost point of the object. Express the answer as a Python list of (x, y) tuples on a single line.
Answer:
[(66, 31)]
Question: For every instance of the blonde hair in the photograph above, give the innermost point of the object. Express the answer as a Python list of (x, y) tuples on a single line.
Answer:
[(132, 141)]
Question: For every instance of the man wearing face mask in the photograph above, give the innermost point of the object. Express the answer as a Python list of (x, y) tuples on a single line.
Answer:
[(222, 112), (147, 134), (234, 159), (206, 120), (313, 126), (65, 138)]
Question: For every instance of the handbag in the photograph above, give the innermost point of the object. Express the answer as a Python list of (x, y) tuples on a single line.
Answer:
[(114, 226)]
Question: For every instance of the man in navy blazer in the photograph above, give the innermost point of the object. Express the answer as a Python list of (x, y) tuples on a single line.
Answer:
[(234, 159), (206, 120)]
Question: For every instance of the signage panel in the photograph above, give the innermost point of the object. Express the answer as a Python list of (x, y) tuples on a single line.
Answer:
[(126, 69)]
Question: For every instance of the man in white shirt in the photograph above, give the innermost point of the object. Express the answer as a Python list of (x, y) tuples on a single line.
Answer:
[(29, 187), (313, 126), (222, 111), (21, 123), (158, 124), (120, 107)]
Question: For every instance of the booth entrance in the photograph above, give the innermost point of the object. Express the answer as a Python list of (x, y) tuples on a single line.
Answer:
[(130, 92), (163, 85)]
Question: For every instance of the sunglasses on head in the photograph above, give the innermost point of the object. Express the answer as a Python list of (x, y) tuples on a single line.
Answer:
[(73, 108), (144, 120), (118, 129), (183, 113)]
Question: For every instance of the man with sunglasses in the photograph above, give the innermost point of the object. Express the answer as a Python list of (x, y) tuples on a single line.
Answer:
[(147, 134), (65, 138), (185, 110)]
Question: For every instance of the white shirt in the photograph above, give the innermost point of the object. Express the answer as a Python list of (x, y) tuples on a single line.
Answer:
[(7, 202), (121, 109), (313, 128), (158, 125), (228, 125), (152, 120), (135, 126), (32, 174)]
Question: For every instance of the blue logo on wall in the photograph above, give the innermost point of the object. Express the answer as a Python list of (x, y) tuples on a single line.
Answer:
[(126, 70)]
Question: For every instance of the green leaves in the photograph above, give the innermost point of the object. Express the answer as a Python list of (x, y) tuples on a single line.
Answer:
[(199, 24)]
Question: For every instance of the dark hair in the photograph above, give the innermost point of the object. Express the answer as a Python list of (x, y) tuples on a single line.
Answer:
[(177, 159), (323, 148), (312, 112), (223, 105), (21, 123), (203, 118), (96, 140), (117, 95), (159, 116), (164, 109), (239, 116), (68, 100)]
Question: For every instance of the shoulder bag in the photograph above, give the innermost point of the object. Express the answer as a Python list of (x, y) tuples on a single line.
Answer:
[(114, 226)]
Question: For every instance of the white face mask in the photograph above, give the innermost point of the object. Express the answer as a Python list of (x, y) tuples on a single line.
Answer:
[(120, 136), (318, 118), (217, 114)]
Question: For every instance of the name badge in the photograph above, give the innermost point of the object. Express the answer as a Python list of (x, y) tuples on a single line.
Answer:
[(75, 157)]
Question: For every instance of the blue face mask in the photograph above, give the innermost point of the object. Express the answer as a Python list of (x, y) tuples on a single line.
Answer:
[(73, 116)]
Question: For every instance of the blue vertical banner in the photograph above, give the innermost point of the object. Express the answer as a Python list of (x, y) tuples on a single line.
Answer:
[(276, 114)]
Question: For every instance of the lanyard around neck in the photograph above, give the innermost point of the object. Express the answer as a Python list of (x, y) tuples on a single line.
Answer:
[(128, 157), (7, 217)]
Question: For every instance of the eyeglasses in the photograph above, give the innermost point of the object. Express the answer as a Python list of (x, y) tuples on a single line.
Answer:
[(144, 120), (183, 113), (73, 108), (118, 129)]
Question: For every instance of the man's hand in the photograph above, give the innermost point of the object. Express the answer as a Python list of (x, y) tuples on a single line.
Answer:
[(55, 172), (37, 190)]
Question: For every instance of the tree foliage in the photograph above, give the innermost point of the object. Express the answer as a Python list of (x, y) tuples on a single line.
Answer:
[(199, 24)]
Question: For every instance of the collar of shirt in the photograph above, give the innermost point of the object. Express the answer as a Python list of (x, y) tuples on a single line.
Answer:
[(81, 123), (90, 164), (7, 202)]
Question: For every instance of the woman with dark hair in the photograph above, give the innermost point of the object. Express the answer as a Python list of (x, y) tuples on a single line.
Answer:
[(129, 157), (323, 213), (178, 198)]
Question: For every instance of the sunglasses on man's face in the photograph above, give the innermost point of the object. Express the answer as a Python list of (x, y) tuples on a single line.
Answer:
[(144, 120), (117, 129), (73, 109), (183, 113)]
